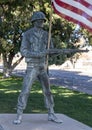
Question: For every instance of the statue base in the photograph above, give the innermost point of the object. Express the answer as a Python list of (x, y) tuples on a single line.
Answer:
[(40, 122)]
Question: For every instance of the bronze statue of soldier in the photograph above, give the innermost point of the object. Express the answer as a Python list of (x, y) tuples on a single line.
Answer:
[(33, 48)]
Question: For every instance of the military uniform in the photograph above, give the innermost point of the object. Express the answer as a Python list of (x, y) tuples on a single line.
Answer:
[(34, 44), (33, 48)]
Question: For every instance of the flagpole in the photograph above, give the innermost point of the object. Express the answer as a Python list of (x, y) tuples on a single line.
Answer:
[(50, 27), (49, 35)]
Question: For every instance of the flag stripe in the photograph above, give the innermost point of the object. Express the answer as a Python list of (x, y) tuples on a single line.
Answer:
[(88, 1), (85, 3), (74, 11), (77, 5), (71, 13)]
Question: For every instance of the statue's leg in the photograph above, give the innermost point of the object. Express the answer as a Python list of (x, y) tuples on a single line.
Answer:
[(48, 98), (44, 79), (23, 97)]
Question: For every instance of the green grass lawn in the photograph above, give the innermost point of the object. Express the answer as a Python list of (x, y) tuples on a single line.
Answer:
[(71, 103)]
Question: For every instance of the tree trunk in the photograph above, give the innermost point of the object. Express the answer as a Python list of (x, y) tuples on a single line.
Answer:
[(6, 70), (8, 67)]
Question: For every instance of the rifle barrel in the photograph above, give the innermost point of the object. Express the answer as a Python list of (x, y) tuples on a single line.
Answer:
[(65, 51)]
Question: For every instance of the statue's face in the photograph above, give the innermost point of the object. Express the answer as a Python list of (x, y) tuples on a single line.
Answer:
[(39, 23)]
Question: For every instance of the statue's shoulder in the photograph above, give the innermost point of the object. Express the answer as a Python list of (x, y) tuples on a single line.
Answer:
[(28, 31), (32, 31), (44, 32)]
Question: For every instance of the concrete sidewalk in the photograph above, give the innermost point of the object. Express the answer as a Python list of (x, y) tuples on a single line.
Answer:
[(40, 122)]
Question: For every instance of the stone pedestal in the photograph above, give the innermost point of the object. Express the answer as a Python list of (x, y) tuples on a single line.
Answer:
[(40, 122)]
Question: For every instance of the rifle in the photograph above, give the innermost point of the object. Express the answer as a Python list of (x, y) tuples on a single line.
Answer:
[(64, 51)]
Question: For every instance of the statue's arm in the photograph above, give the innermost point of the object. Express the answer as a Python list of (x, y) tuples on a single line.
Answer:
[(24, 49)]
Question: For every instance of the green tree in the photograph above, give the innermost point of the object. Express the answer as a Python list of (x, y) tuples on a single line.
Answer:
[(14, 16), (14, 19)]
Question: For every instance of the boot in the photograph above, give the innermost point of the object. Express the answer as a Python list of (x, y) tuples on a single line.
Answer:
[(18, 119), (52, 117)]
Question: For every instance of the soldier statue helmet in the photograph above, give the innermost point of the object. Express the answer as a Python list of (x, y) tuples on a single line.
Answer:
[(38, 16)]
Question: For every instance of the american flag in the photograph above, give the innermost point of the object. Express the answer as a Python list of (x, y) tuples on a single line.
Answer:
[(77, 11)]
